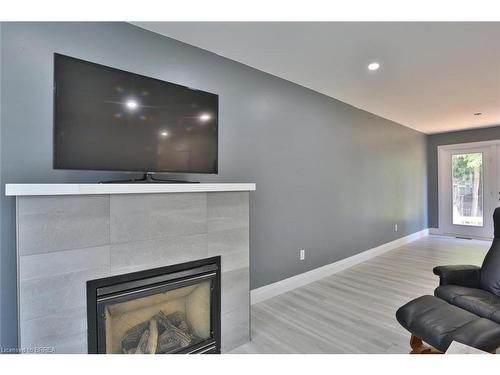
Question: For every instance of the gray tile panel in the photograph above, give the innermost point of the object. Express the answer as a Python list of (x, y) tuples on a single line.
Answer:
[(227, 211), (54, 223), (157, 253), (52, 329), (233, 245), (39, 266), (50, 295), (235, 287), (148, 216), (235, 327)]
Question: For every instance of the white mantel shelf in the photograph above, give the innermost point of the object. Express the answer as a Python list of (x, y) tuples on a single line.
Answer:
[(92, 189)]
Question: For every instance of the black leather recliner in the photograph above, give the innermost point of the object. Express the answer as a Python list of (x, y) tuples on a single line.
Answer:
[(472, 288), (465, 307)]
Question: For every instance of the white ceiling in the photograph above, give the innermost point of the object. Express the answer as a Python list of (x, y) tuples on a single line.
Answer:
[(433, 76)]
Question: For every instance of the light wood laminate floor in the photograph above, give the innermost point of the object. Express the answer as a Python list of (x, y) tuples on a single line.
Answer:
[(354, 310)]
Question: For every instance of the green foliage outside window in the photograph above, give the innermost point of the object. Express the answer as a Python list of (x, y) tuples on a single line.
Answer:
[(465, 164)]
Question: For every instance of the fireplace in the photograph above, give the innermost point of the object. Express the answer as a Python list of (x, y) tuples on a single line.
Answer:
[(173, 309), (71, 233)]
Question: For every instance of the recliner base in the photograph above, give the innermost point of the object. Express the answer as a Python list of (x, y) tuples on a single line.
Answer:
[(418, 347)]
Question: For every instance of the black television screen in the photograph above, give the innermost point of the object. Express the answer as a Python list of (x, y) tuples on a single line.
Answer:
[(110, 119)]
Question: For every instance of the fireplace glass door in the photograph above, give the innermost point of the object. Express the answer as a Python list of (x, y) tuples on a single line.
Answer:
[(163, 322), (158, 316)]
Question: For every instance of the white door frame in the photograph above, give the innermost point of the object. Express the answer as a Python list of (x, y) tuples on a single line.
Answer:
[(492, 193)]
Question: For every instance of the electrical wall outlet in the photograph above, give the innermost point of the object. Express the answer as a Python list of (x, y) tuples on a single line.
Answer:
[(302, 254), (395, 227)]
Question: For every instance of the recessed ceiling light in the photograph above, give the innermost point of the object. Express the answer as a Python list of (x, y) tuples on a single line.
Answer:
[(373, 66), (164, 134), (478, 113)]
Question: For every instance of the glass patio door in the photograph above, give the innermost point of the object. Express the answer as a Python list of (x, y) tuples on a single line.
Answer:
[(468, 182)]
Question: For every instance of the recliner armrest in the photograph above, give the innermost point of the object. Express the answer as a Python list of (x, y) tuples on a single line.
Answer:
[(465, 275)]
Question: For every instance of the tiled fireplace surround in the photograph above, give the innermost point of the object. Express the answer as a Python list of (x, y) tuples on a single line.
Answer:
[(65, 240)]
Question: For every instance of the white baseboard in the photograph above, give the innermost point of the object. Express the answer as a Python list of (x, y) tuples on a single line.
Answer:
[(282, 286), (439, 232)]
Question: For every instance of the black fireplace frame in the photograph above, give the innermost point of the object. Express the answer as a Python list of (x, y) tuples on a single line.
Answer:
[(177, 276)]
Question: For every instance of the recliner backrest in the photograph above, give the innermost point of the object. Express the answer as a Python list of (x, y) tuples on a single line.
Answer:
[(490, 270)]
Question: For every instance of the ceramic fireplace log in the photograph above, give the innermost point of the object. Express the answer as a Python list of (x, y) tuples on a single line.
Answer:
[(166, 343), (142, 347), (153, 336), (160, 334), (177, 319), (132, 337), (182, 337)]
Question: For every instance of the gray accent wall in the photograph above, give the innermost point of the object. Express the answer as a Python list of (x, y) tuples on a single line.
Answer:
[(331, 178), (435, 140)]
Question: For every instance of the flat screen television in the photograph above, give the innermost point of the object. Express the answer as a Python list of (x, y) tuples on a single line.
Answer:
[(110, 119)]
